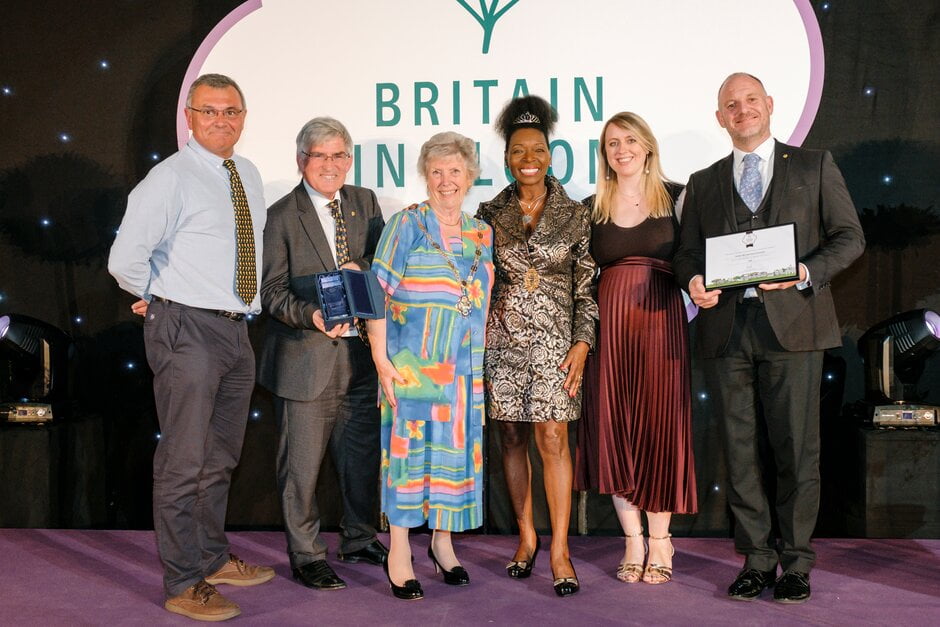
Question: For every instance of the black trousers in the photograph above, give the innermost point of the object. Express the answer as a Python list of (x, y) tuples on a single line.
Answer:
[(755, 367), (203, 377), (344, 419)]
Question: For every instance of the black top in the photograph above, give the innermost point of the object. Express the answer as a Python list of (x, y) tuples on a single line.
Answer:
[(657, 238)]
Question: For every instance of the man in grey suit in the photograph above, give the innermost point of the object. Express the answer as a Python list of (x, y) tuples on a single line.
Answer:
[(763, 347), (323, 379)]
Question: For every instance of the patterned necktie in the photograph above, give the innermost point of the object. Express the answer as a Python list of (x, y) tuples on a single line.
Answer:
[(750, 186), (342, 251), (246, 273)]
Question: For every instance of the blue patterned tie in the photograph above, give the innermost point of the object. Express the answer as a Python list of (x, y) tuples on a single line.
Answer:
[(750, 187)]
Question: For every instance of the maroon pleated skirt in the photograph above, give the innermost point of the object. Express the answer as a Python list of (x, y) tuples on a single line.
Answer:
[(635, 435)]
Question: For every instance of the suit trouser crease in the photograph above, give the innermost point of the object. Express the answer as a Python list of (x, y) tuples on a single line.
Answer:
[(343, 419), (754, 367), (204, 372)]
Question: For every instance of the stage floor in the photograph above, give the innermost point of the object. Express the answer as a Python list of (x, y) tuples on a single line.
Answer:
[(59, 577)]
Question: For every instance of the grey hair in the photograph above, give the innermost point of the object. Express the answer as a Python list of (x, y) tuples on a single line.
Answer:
[(215, 81), (319, 130), (447, 144)]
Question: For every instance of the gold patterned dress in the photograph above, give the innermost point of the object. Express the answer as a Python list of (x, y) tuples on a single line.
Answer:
[(541, 305)]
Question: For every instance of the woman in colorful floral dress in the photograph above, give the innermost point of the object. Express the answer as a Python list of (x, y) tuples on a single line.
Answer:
[(436, 265)]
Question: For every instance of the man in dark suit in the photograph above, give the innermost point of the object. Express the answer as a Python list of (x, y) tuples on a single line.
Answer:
[(763, 347), (323, 379)]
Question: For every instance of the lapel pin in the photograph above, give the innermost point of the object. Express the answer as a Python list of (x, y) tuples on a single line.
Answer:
[(786, 155)]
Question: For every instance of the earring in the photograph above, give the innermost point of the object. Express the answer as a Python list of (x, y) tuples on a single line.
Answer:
[(607, 174), (646, 171)]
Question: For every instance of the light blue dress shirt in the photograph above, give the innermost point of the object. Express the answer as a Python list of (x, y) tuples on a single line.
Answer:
[(177, 238)]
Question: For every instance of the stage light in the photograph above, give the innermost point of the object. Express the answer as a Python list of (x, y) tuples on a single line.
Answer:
[(869, 91), (7, 90), (45, 222), (34, 359), (154, 156), (887, 179), (65, 138), (894, 352), (104, 64)]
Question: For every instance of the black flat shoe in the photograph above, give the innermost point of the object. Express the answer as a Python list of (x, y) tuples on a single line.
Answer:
[(456, 576), (318, 575), (792, 587), (411, 591), (749, 583), (566, 586), (520, 569), (373, 553)]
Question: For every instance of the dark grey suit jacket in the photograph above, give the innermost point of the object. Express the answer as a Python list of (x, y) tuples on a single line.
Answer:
[(807, 189), (294, 351)]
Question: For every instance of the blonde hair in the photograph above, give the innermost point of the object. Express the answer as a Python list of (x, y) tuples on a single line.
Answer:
[(658, 199)]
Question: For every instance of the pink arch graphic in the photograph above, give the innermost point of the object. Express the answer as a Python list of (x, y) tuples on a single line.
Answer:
[(817, 72), (202, 53)]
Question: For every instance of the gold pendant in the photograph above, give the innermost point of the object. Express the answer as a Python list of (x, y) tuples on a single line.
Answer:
[(464, 306), (531, 280)]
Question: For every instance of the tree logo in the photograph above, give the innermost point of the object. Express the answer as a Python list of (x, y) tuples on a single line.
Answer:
[(487, 17)]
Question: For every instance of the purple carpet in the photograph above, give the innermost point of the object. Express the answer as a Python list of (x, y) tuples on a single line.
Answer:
[(56, 577)]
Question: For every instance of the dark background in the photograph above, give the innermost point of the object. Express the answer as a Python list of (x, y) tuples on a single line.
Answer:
[(77, 134)]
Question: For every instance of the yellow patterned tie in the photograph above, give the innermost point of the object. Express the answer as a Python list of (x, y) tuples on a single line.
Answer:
[(342, 252), (246, 277)]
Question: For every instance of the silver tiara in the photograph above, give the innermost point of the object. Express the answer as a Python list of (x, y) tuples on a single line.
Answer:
[(527, 118)]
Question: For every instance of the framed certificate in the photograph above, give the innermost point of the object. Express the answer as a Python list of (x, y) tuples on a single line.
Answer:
[(747, 258)]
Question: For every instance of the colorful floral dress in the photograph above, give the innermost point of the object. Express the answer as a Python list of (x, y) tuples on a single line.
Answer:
[(432, 442)]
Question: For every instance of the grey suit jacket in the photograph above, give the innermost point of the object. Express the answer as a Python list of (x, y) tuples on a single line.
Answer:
[(807, 189), (295, 354)]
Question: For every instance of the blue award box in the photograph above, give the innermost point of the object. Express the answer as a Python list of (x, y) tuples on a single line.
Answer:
[(343, 295)]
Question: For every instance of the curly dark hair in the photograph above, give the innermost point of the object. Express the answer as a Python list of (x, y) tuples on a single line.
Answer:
[(526, 112)]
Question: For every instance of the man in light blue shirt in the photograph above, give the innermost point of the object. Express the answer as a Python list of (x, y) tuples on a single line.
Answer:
[(189, 247)]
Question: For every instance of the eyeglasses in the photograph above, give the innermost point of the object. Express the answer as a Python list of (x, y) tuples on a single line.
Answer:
[(319, 157), (228, 114)]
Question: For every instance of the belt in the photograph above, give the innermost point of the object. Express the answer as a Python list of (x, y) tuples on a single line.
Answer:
[(231, 315)]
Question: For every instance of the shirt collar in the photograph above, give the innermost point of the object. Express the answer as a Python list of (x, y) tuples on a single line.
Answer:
[(319, 200), (203, 153), (765, 151)]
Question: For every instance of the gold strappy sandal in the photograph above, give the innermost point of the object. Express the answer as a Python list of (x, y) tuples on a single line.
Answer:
[(661, 572), (629, 572)]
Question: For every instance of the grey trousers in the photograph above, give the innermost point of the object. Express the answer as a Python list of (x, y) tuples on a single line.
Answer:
[(343, 420), (203, 377), (755, 367)]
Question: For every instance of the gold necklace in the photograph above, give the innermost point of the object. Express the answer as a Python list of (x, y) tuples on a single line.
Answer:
[(639, 198)]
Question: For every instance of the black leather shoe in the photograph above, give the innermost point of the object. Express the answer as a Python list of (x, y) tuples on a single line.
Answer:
[(373, 553), (318, 575), (566, 586), (792, 587), (750, 583), (456, 576), (520, 569), (410, 591)]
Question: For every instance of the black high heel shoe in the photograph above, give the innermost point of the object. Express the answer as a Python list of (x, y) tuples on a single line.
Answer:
[(520, 569), (566, 586), (411, 591), (456, 576)]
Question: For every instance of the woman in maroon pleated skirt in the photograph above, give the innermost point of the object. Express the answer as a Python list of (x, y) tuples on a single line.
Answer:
[(635, 438)]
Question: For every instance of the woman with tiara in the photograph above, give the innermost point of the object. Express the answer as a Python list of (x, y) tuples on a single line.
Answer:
[(539, 331)]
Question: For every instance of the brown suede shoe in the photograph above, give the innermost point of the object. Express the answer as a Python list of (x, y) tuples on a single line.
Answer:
[(237, 573), (202, 602)]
